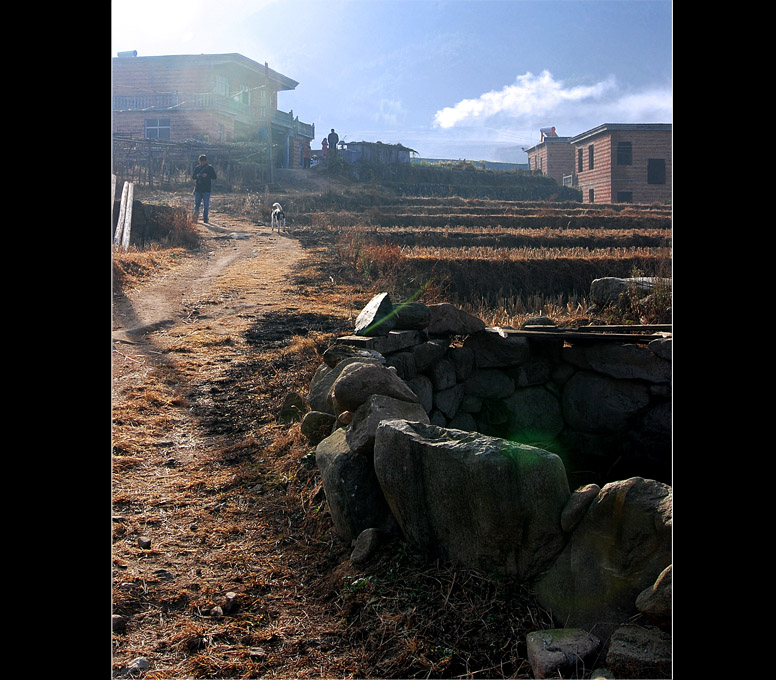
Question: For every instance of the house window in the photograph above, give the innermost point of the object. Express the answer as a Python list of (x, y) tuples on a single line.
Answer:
[(625, 197), (222, 86), (157, 128), (244, 95), (656, 171), (579, 160), (590, 164), (624, 153), (591, 196)]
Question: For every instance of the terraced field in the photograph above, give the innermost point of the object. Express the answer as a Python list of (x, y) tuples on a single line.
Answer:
[(497, 257)]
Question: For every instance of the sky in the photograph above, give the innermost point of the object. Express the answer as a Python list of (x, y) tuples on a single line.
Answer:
[(455, 79)]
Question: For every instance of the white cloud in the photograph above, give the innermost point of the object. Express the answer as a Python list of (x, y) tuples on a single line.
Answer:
[(653, 105), (530, 97)]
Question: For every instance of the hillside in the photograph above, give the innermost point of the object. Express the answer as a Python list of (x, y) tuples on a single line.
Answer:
[(225, 561)]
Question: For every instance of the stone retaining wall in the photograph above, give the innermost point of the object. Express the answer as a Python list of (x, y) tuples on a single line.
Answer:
[(603, 406)]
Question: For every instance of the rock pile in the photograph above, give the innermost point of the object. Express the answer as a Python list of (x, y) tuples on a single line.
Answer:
[(408, 426)]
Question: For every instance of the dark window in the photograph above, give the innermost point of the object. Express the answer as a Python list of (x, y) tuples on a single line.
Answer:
[(579, 160), (625, 197), (157, 128), (591, 196), (624, 153), (656, 171), (590, 164)]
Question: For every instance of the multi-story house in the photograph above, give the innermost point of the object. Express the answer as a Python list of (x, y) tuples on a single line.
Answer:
[(614, 162), (213, 98), (553, 156)]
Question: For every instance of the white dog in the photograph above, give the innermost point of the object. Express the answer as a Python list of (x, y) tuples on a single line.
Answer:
[(278, 218)]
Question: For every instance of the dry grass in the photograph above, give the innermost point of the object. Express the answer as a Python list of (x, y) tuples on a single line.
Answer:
[(233, 502)]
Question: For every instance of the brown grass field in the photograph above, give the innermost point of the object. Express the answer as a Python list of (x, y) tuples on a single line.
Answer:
[(229, 495)]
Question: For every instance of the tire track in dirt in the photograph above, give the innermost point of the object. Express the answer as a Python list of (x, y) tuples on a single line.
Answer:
[(161, 303)]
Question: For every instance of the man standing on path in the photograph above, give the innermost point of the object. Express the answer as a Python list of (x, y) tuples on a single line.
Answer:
[(203, 175)]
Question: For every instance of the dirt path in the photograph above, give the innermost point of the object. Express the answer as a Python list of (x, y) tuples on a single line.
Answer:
[(202, 500), (231, 242)]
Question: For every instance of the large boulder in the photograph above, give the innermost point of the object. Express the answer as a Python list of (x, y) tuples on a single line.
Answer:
[(493, 350), (447, 319), (360, 434), (319, 392), (353, 494), (478, 501), (377, 318), (599, 404), (618, 549), (608, 289), (360, 380), (561, 652)]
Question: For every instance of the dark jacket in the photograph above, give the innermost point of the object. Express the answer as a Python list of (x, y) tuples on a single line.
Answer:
[(203, 175)]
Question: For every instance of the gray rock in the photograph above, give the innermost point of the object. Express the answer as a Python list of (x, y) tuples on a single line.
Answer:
[(377, 317), (543, 321), (463, 421), (412, 315), (428, 353), (478, 501), (655, 602), (422, 387), (491, 350), (489, 384), (317, 425), (293, 409), (119, 623), (447, 319), (533, 372), (352, 491), (620, 546), (366, 544), (384, 344), (139, 663), (608, 289), (320, 386), (340, 351), (597, 404), (662, 347), (449, 400), (561, 652), (361, 433), (404, 363), (358, 381), (534, 415), (442, 375), (577, 506), (639, 652), (628, 361), (462, 359)]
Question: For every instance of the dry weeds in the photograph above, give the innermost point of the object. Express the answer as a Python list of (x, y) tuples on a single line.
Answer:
[(232, 503)]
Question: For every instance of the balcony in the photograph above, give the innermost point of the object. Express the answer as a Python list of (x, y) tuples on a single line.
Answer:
[(242, 112)]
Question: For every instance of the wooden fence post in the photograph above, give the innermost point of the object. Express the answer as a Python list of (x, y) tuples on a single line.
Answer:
[(124, 226)]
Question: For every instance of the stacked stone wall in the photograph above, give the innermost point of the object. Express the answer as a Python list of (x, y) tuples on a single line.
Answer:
[(603, 406)]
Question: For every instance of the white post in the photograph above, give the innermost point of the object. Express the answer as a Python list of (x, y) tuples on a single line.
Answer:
[(128, 217), (119, 235)]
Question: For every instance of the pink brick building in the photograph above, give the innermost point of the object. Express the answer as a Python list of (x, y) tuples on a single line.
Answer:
[(611, 163)]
